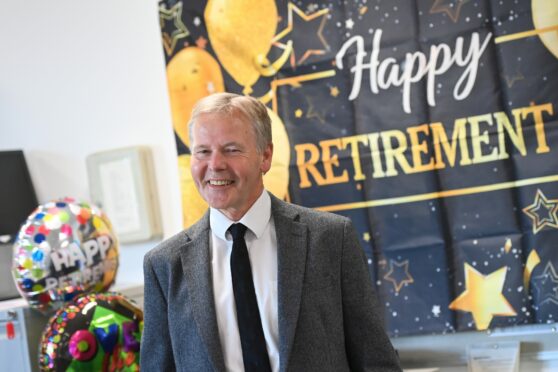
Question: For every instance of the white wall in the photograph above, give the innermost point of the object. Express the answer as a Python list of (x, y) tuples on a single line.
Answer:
[(77, 77)]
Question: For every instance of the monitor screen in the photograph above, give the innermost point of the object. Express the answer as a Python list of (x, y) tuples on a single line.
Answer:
[(17, 195)]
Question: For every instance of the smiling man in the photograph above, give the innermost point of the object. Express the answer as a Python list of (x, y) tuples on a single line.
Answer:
[(257, 284)]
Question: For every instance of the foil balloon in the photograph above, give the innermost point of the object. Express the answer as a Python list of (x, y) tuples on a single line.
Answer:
[(191, 75), (64, 249), (95, 332), (241, 34)]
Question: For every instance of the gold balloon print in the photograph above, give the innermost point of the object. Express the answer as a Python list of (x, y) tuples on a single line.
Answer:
[(545, 14), (277, 179), (191, 74), (241, 32), (193, 205)]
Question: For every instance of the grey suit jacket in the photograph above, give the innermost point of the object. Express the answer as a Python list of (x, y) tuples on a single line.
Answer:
[(327, 308)]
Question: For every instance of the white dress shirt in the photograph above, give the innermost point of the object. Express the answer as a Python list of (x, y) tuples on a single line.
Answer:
[(261, 242)]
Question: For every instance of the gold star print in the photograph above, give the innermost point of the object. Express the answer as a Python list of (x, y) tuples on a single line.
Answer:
[(452, 8), (483, 296), (397, 270), (549, 218), (320, 13), (298, 113), (180, 31), (366, 237), (334, 91)]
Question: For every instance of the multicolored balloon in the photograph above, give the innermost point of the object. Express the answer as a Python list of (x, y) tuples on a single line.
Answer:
[(64, 249), (95, 332)]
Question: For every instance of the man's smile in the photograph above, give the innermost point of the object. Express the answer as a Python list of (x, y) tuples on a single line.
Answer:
[(220, 182)]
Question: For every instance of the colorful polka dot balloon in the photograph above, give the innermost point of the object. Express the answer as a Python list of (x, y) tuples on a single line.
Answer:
[(95, 332), (64, 249)]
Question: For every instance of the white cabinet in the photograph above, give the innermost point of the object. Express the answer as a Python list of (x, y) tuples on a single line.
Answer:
[(14, 351)]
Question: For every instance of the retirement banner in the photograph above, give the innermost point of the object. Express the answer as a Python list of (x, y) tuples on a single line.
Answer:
[(431, 124)]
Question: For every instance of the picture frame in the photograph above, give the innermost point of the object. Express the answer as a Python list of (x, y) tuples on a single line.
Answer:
[(122, 184)]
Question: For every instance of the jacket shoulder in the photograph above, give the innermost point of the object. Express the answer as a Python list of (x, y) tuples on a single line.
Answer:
[(170, 248), (308, 215)]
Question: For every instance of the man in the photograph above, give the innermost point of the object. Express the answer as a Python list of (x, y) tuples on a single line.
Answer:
[(257, 284)]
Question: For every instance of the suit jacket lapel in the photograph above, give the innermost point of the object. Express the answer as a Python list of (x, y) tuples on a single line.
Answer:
[(291, 258), (196, 263)]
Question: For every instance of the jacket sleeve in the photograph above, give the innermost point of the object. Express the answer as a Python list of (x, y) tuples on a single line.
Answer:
[(156, 347), (367, 344)]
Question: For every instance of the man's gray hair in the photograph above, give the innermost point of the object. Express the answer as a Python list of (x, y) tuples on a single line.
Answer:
[(230, 104)]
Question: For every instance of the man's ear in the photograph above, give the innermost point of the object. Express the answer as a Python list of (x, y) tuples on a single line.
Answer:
[(267, 157)]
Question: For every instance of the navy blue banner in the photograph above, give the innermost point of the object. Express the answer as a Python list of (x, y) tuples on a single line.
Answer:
[(431, 124)]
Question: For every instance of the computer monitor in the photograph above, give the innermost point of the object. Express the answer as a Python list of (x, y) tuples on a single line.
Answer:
[(17, 201), (17, 195)]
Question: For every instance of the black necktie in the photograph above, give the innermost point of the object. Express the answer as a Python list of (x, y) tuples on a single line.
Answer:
[(254, 351)]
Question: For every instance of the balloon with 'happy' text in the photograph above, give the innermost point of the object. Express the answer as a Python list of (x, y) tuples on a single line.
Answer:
[(65, 248)]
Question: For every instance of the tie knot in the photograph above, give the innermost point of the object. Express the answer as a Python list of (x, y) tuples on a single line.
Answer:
[(237, 231)]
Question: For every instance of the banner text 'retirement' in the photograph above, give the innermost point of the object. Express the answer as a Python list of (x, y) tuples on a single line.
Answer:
[(422, 148)]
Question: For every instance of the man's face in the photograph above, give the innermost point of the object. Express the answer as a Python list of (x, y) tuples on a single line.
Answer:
[(226, 165)]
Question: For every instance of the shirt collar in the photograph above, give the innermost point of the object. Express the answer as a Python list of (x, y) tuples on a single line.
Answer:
[(255, 219)]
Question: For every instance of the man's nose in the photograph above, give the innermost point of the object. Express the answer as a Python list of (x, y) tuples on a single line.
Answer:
[(217, 161)]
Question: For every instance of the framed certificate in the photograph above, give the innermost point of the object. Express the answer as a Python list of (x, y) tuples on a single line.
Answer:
[(122, 183)]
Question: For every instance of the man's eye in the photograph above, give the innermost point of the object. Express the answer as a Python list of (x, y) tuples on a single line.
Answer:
[(233, 150)]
